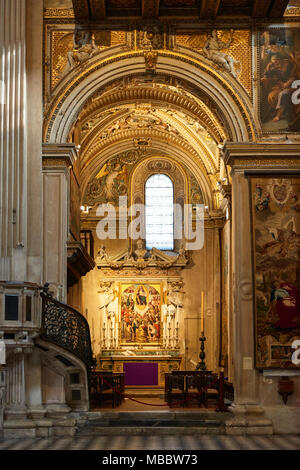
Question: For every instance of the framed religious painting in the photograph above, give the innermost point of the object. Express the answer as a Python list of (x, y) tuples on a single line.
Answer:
[(276, 248), (279, 70), (140, 305)]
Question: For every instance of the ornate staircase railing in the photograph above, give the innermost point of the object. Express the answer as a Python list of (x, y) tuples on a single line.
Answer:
[(64, 326)]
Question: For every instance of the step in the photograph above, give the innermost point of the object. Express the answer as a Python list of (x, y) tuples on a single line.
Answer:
[(151, 423), (145, 393), (184, 414), (153, 431), (154, 423)]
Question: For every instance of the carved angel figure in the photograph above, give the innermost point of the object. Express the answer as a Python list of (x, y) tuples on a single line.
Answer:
[(212, 50)]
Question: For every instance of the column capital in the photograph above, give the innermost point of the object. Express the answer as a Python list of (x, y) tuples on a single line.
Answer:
[(59, 155), (262, 157)]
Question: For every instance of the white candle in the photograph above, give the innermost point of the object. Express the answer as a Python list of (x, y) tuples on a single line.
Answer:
[(202, 312)]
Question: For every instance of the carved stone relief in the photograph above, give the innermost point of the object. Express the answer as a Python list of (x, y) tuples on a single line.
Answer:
[(229, 50), (150, 35), (112, 179)]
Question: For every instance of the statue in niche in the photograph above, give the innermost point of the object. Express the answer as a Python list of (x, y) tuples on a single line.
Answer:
[(174, 297), (212, 50), (84, 48), (108, 299)]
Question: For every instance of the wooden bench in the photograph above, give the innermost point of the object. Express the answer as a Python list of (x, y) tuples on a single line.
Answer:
[(204, 387), (106, 387)]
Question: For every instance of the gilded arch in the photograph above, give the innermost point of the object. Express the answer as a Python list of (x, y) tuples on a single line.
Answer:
[(216, 87)]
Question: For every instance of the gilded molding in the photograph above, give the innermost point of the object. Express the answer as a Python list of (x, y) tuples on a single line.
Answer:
[(59, 155), (240, 49), (260, 156), (292, 11), (59, 13), (59, 100), (168, 93)]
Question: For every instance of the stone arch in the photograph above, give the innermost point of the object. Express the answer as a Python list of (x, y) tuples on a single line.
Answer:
[(224, 91)]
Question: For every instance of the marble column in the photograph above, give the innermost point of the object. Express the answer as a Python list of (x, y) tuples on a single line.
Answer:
[(20, 129)]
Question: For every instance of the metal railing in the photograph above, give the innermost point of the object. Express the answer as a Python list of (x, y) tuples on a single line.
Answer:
[(63, 326)]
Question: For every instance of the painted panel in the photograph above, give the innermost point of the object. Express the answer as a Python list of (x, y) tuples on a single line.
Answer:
[(140, 313), (279, 50)]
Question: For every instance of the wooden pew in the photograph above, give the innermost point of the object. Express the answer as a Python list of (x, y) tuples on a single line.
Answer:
[(203, 386), (106, 387)]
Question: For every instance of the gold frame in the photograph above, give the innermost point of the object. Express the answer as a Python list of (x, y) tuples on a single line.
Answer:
[(122, 287)]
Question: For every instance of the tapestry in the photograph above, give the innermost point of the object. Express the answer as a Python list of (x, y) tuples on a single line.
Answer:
[(276, 239), (140, 313), (279, 69), (225, 248)]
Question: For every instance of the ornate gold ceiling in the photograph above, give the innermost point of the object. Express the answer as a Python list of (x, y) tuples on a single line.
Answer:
[(133, 109)]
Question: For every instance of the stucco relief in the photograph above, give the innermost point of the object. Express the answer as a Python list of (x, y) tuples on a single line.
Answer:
[(111, 181), (228, 49), (68, 47), (150, 35)]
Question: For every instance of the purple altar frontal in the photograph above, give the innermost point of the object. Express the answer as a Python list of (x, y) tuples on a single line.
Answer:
[(141, 373)]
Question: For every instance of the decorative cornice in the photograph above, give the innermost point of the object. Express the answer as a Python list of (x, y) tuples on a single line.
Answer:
[(59, 13), (79, 262), (59, 155), (292, 12), (285, 156)]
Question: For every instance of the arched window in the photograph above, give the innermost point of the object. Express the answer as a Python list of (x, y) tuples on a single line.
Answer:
[(159, 198)]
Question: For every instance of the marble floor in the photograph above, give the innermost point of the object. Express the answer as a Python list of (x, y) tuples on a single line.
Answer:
[(276, 442)]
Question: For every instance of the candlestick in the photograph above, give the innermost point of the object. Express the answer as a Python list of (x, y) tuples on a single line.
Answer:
[(202, 311), (201, 364)]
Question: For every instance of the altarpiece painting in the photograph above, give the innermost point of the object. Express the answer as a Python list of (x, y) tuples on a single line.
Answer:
[(140, 313)]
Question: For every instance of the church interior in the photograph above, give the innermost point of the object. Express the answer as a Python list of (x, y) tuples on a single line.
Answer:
[(150, 212)]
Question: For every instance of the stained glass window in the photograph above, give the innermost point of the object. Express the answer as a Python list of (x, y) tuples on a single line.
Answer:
[(159, 213)]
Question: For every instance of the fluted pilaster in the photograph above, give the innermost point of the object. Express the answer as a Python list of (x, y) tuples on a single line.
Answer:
[(13, 150), (20, 139)]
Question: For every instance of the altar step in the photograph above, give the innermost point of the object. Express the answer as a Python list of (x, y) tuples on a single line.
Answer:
[(145, 392), (152, 423)]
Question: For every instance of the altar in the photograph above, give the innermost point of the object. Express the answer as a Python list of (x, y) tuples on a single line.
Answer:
[(141, 370)]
